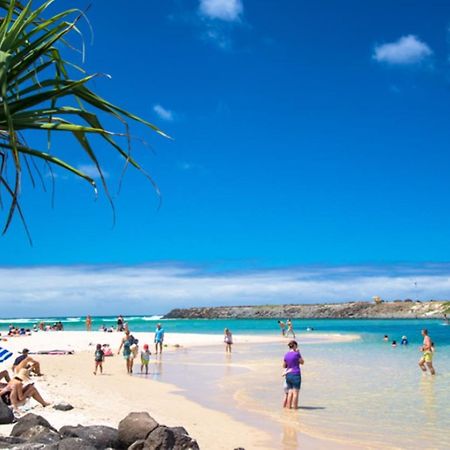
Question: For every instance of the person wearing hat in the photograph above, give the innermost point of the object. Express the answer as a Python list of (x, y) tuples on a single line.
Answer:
[(25, 361), (19, 389)]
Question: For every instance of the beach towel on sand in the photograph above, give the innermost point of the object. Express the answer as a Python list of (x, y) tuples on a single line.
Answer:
[(4, 354)]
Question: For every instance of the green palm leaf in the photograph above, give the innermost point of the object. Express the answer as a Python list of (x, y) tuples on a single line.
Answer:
[(38, 91)]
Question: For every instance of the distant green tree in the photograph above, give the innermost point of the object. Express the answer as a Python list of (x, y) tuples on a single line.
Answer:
[(38, 92)]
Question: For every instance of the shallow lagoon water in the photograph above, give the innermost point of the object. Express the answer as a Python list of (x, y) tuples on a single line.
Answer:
[(364, 394)]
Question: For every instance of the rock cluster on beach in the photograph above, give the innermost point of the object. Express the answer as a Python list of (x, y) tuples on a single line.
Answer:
[(399, 309), (137, 431)]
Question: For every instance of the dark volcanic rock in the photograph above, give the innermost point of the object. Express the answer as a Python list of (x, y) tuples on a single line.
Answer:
[(136, 426), (63, 406), (138, 445), (10, 441), (42, 434), (34, 446), (28, 421), (182, 440), (6, 415), (162, 438), (99, 436), (73, 443)]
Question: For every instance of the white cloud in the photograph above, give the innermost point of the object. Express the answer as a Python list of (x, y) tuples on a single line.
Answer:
[(91, 171), (163, 113), (227, 10), (407, 50), (154, 289)]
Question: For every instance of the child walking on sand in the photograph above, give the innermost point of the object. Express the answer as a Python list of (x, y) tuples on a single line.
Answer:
[(228, 339), (99, 358), (145, 359)]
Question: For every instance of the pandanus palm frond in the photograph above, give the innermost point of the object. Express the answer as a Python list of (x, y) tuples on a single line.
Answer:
[(37, 92)]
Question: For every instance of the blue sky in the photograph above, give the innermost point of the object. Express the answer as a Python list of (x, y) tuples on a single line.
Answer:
[(305, 134)]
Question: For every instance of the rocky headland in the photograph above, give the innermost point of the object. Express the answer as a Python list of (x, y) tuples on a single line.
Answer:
[(399, 309)]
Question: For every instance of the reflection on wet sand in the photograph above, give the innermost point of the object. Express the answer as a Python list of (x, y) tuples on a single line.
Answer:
[(290, 438)]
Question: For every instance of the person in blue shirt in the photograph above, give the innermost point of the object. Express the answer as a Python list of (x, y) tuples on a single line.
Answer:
[(159, 338)]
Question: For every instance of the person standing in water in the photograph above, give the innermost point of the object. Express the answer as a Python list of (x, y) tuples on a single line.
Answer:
[(292, 361), (228, 339), (159, 338), (88, 323), (282, 327), (427, 353), (290, 329)]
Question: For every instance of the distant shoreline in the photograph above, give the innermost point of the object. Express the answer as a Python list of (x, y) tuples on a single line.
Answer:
[(351, 310)]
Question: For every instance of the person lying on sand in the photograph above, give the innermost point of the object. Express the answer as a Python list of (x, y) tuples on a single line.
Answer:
[(25, 361), (17, 392)]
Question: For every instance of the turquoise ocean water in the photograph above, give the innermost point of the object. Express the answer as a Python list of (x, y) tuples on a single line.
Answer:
[(369, 330)]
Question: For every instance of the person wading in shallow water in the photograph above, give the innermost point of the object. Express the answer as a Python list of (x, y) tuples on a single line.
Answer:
[(427, 353), (282, 327), (290, 329), (292, 361)]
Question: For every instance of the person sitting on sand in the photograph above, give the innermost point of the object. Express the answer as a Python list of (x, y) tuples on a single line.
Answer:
[(159, 338), (282, 326), (292, 361), (427, 349), (99, 357), (16, 393), (145, 359), (25, 361), (107, 350), (228, 339)]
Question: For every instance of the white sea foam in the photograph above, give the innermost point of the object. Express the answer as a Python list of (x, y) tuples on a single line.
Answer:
[(152, 318)]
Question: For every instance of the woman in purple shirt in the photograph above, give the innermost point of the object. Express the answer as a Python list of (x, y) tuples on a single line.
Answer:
[(292, 361)]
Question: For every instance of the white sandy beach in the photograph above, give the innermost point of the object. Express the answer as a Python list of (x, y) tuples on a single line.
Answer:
[(106, 399)]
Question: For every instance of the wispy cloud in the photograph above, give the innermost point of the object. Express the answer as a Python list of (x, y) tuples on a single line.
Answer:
[(186, 165), (407, 50), (158, 288), (226, 10), (219, 18), (91, 171), (163, 113)]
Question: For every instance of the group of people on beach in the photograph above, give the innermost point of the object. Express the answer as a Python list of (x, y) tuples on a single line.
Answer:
[(427, 349), (129, 347), (19, 387), (287, 328)]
